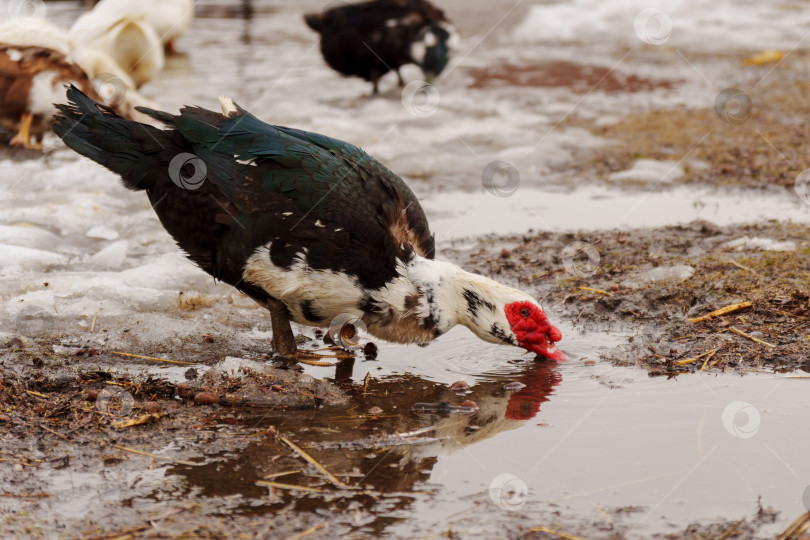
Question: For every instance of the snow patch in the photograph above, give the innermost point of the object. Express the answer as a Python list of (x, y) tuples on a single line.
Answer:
[(111, 257), (703, 25), (103, 232), (650, 171), (764, 244), (16, 259), (678, 272)]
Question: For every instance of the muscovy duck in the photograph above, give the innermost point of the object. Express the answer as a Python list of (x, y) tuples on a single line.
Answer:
[(131, 41), (308, 226), (169, 18), (31, 80), (35, 66), (370, 39)]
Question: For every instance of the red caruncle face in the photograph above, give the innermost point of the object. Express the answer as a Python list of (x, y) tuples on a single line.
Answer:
[(533, 330)]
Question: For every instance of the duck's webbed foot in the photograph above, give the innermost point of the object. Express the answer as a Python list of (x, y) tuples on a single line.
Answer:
[(284, 344), (23, 136)]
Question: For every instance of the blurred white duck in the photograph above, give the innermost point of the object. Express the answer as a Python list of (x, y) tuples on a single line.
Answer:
[(35, 66), (129, 40), (169, 18)]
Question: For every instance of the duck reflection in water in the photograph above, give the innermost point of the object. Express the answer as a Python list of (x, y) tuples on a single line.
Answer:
[(499, 408)]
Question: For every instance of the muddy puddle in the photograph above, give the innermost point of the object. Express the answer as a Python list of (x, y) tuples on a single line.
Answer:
[(576, 447)]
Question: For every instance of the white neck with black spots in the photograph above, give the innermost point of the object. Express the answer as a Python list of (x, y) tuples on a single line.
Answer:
[(449, 295)]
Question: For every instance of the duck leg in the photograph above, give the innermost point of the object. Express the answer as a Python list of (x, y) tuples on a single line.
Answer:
[(283, 338), (23, 136)]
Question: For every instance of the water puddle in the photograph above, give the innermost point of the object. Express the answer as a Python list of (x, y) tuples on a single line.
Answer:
[(459, 214), (581, 440)]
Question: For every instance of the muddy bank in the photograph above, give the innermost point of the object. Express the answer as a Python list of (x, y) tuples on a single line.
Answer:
[(749, 136), (652, 281)]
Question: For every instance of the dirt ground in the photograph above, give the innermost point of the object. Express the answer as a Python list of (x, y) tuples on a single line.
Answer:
[(653, 281)]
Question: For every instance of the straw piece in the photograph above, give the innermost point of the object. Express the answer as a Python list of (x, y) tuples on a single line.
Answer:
[(722, 311), (735, 330), (161, 458), (292, 487), (556, 533), (698, 357), (600, 291), (153, 358), (331, 477)]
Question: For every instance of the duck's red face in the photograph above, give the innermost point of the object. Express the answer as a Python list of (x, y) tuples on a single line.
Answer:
[(533, 330)]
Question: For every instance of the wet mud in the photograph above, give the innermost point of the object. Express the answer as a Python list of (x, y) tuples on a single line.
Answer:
[(653, 281)]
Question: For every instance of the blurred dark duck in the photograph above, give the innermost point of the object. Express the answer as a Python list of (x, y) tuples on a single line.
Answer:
[(369, 39), (310, 227)]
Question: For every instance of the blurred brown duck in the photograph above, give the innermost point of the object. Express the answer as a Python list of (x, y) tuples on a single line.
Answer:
[(32, 79)]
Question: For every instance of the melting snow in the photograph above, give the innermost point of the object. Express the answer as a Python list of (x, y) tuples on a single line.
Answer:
[(650, 171), (678, 272), (701, 25), (765, 244)]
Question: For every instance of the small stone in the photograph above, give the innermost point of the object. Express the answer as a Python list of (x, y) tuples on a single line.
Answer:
[(370, 350), (4, 418), (93, 352), (514, 386), (79, 352), (590, 362), (375, 410), (613, 288), (271, 432), (460, 387), (208, 339), (470, 405), (206, 398), (277, 388), (152, 407), (505, 253), (184, 391), (92, 395), (190, 374)]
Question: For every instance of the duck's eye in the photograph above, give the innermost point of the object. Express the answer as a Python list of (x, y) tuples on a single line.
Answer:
[(524, 313)]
